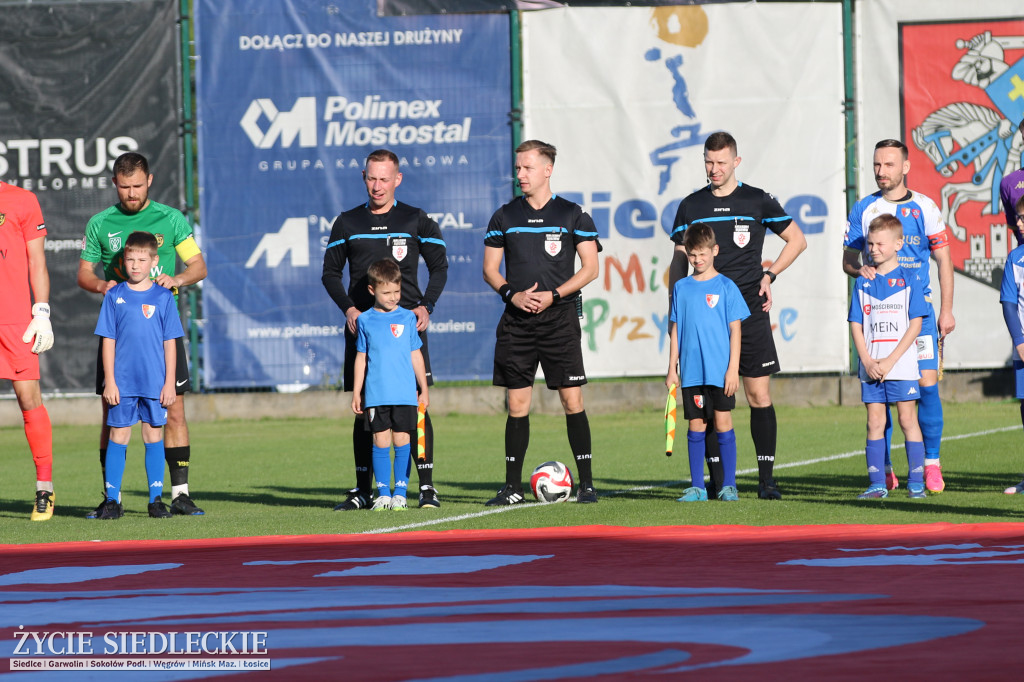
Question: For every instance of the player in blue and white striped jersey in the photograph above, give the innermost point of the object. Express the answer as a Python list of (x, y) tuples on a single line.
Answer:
[(924, 235), (1011, 295)]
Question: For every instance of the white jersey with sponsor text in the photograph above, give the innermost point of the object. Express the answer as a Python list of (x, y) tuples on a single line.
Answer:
[(884, 307)]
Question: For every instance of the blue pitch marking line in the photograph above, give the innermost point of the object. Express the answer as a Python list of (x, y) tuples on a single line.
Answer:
[(669, 484)]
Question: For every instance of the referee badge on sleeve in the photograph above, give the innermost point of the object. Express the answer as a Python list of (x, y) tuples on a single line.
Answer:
[(553, 244)]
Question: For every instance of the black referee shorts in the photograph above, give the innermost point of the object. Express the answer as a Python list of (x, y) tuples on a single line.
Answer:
[(550, 339), (758, 357), (182, 380), (350, 359)]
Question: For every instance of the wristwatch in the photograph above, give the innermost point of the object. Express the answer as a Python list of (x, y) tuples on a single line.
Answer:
[(428, 305), (771, 276), (555, 296)]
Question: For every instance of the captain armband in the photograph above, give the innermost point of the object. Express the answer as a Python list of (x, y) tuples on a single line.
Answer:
[(187, 249), (938, 240)]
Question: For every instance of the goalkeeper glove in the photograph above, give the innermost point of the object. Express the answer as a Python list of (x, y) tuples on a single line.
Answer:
[(40, 328)]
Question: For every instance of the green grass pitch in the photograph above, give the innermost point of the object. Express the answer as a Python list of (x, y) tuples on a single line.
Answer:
[(282, 477)]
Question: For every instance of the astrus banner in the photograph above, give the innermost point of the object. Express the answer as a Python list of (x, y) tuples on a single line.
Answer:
[(80, 84), (291, 99), (948, 79), (630, 125)]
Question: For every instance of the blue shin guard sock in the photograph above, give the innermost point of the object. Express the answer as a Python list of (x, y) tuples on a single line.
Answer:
[(116, 455), (695, 455), (929, 415), (915, 462), (888, 439), (155, 469), (382, 470), (874, 452), (402, 455), (727, 448)]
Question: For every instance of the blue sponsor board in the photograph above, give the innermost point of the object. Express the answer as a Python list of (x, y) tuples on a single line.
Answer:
[(291, 97)]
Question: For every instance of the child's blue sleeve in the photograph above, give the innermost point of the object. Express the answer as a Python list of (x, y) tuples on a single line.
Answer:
[(1009, 296), (1012, 320), (674, 296), (106, 325), (172, 320), (918, 306), (738, 309), (1009, 290), (362, 341), (856, 311)]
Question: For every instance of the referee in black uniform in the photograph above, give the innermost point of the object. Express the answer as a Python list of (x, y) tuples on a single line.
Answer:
[(539, 236), (741, 215), (384, 228)]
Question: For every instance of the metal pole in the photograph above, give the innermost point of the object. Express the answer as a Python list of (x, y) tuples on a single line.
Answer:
[(187, 130), (850, 114), (515, 116)]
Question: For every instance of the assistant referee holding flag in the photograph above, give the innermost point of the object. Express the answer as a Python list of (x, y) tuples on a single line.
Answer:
[(741, 216), (384, 228)]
